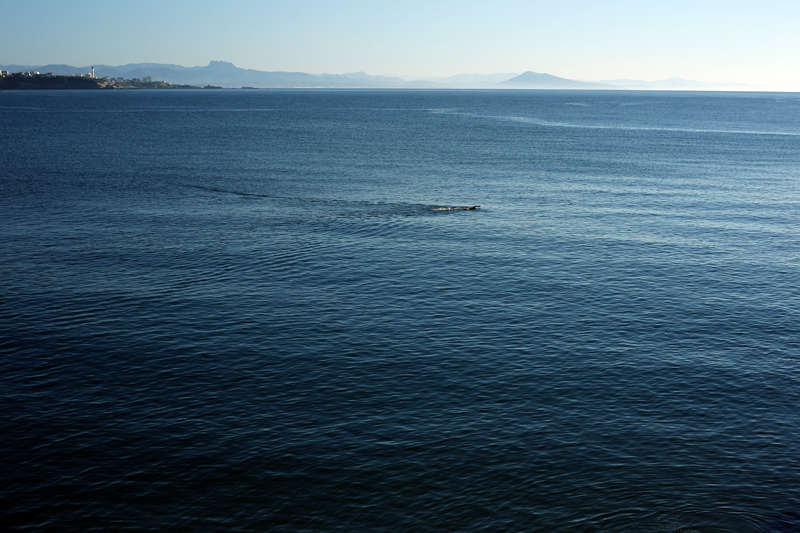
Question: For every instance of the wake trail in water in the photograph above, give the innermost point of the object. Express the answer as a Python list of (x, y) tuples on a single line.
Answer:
[(371, 207)]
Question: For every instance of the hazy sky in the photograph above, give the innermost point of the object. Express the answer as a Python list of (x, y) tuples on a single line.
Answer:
[(749, 41)]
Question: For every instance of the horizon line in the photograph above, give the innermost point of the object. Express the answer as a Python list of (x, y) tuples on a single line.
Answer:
[(613, 84)]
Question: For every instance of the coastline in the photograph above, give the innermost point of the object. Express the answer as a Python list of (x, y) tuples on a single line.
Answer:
[(23, 82)]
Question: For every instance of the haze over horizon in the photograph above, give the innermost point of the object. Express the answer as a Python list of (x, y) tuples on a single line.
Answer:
[(709, 40)]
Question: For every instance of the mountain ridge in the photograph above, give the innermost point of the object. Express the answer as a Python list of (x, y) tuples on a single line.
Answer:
[(536, 80), (226, 74)]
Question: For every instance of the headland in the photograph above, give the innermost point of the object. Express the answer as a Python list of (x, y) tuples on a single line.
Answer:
[(33, 80)]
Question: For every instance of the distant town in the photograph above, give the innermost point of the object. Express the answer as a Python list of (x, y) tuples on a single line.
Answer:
[(33, 80)]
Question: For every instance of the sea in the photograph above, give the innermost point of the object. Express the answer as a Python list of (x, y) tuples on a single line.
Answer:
[(269, 310)]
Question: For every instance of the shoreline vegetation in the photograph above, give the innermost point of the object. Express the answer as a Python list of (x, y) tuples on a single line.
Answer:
[(20, 81)]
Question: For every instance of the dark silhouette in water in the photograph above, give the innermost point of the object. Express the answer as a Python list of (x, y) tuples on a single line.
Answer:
[(456, 208)]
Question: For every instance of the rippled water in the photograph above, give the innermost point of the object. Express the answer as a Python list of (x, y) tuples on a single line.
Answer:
[(247, 311)]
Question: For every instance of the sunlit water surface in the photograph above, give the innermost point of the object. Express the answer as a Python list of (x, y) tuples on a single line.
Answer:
[(246, 311)]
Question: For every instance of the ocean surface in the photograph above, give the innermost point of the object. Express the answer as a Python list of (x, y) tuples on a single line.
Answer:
[(248, 311)]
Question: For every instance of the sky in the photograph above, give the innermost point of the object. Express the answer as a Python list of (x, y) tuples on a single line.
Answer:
[(708, 40)]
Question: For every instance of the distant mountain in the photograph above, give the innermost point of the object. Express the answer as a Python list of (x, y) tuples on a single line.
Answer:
[(224, 74), (535, 80), (58, 70)]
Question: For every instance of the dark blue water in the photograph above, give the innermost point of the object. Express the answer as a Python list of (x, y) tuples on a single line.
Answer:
[(243, 311)]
